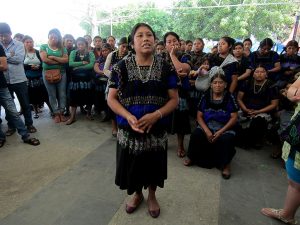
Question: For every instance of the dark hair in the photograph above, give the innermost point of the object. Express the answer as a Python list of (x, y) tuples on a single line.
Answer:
[(292, 43), (56, 32), (218, 75), (137, 26), (266, 42), (123, 40), (97, 37), (107, 46), (229, 40), (81, 39), (68, 36), (247, 39), (188, 41), (19, 35), (201, 40), (172, 34), (261, 66), (160, 43), (111, 37), (26, 37), (4, 28), (238, 44), (182, 40)]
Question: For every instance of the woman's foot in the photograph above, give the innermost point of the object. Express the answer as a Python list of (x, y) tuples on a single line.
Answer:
[(277, 214), (63, 118), (226, 174), (153, 207), (70, 121), (187, 162), (57, 118), (31, 129), (134, 203), (114, 133), (181, 152)]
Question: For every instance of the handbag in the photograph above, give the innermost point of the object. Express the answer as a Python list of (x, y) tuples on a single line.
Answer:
[(290, 134), (53, 76)]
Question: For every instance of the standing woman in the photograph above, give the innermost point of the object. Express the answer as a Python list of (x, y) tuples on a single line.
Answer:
[(81, 63), (181, 63), (142, 93), (112, 59), (291, 155), (247, 43), (54, 56), (226, 60), (267, 58), (33, 70)]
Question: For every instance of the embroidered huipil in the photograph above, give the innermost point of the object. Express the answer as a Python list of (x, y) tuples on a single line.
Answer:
[(142, 90)]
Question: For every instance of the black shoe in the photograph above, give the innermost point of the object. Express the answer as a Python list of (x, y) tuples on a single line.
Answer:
[(226, 176)]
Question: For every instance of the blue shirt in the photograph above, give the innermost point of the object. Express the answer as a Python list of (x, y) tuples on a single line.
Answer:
[(15, 72)]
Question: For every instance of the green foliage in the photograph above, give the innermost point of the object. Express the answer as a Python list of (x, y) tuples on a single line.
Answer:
[(239, 22)]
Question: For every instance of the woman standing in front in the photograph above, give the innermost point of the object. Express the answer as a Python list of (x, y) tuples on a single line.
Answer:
[(291, 155), (142, 92), (54, 56)]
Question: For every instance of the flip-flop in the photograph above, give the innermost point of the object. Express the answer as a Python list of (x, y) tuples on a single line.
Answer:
[(276, 214)]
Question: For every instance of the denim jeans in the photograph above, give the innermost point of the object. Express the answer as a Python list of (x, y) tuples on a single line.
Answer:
[(21, 90), (57, 93), (12, 114)]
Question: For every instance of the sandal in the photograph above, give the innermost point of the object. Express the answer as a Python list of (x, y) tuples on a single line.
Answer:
[(10, 132), (276, 214), (32, 141), (2, 143), (31, 129), (180, 153), (36, 116), (70, 121), (187, 162)]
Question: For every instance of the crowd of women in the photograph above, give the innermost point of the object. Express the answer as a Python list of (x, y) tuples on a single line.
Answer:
[(149, 88)]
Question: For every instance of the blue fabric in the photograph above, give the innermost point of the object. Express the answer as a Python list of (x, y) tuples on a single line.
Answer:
[(292, 172), (12, 114)]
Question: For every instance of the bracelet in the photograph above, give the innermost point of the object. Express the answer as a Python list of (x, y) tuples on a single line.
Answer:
[(296, 92), (161, 115)]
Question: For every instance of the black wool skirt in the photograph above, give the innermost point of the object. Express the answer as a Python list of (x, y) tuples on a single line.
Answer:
[(137, 171)]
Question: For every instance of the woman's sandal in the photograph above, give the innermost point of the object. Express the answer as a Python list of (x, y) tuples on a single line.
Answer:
[(180, 153), (187, 162), (31, 129), (32, 141), (36, 116), (70, 121), (276, 214), (10, 132)]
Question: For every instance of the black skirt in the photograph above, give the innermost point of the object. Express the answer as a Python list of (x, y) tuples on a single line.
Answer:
[(37, 91), (137, 171), (181, 122), (209, 155)]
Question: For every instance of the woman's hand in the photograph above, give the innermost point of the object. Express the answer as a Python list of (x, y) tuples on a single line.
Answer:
[(133, 122), (174, 50), (216, 135), (209, 135), (146, 122), (180, 73)]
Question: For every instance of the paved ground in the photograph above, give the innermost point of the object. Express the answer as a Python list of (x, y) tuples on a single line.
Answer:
[(69, 180)]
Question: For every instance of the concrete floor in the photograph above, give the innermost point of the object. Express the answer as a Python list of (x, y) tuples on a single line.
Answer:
[(69, 180)]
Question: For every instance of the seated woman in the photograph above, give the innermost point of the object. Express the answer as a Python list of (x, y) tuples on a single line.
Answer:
[(212, 142), (257, 98)]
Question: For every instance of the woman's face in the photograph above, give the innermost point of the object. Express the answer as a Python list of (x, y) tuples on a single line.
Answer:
[(98, 43), (238, 51), (260, 74), (81, 46), (223, 47), (218, 85), (53, 39), (88, 39), (291, 50), (123, 48), (198, 46), (171, 41), (189, 47), (143, 41), (264, 50), (69, 43), (205, 65), (28, 44), (105, 52), (247, 45), (159, 49), (182, 46), (111, 42)]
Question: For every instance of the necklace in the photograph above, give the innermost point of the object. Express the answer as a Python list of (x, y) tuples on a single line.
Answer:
[(144, 77), (260, 88), (30, 55)]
